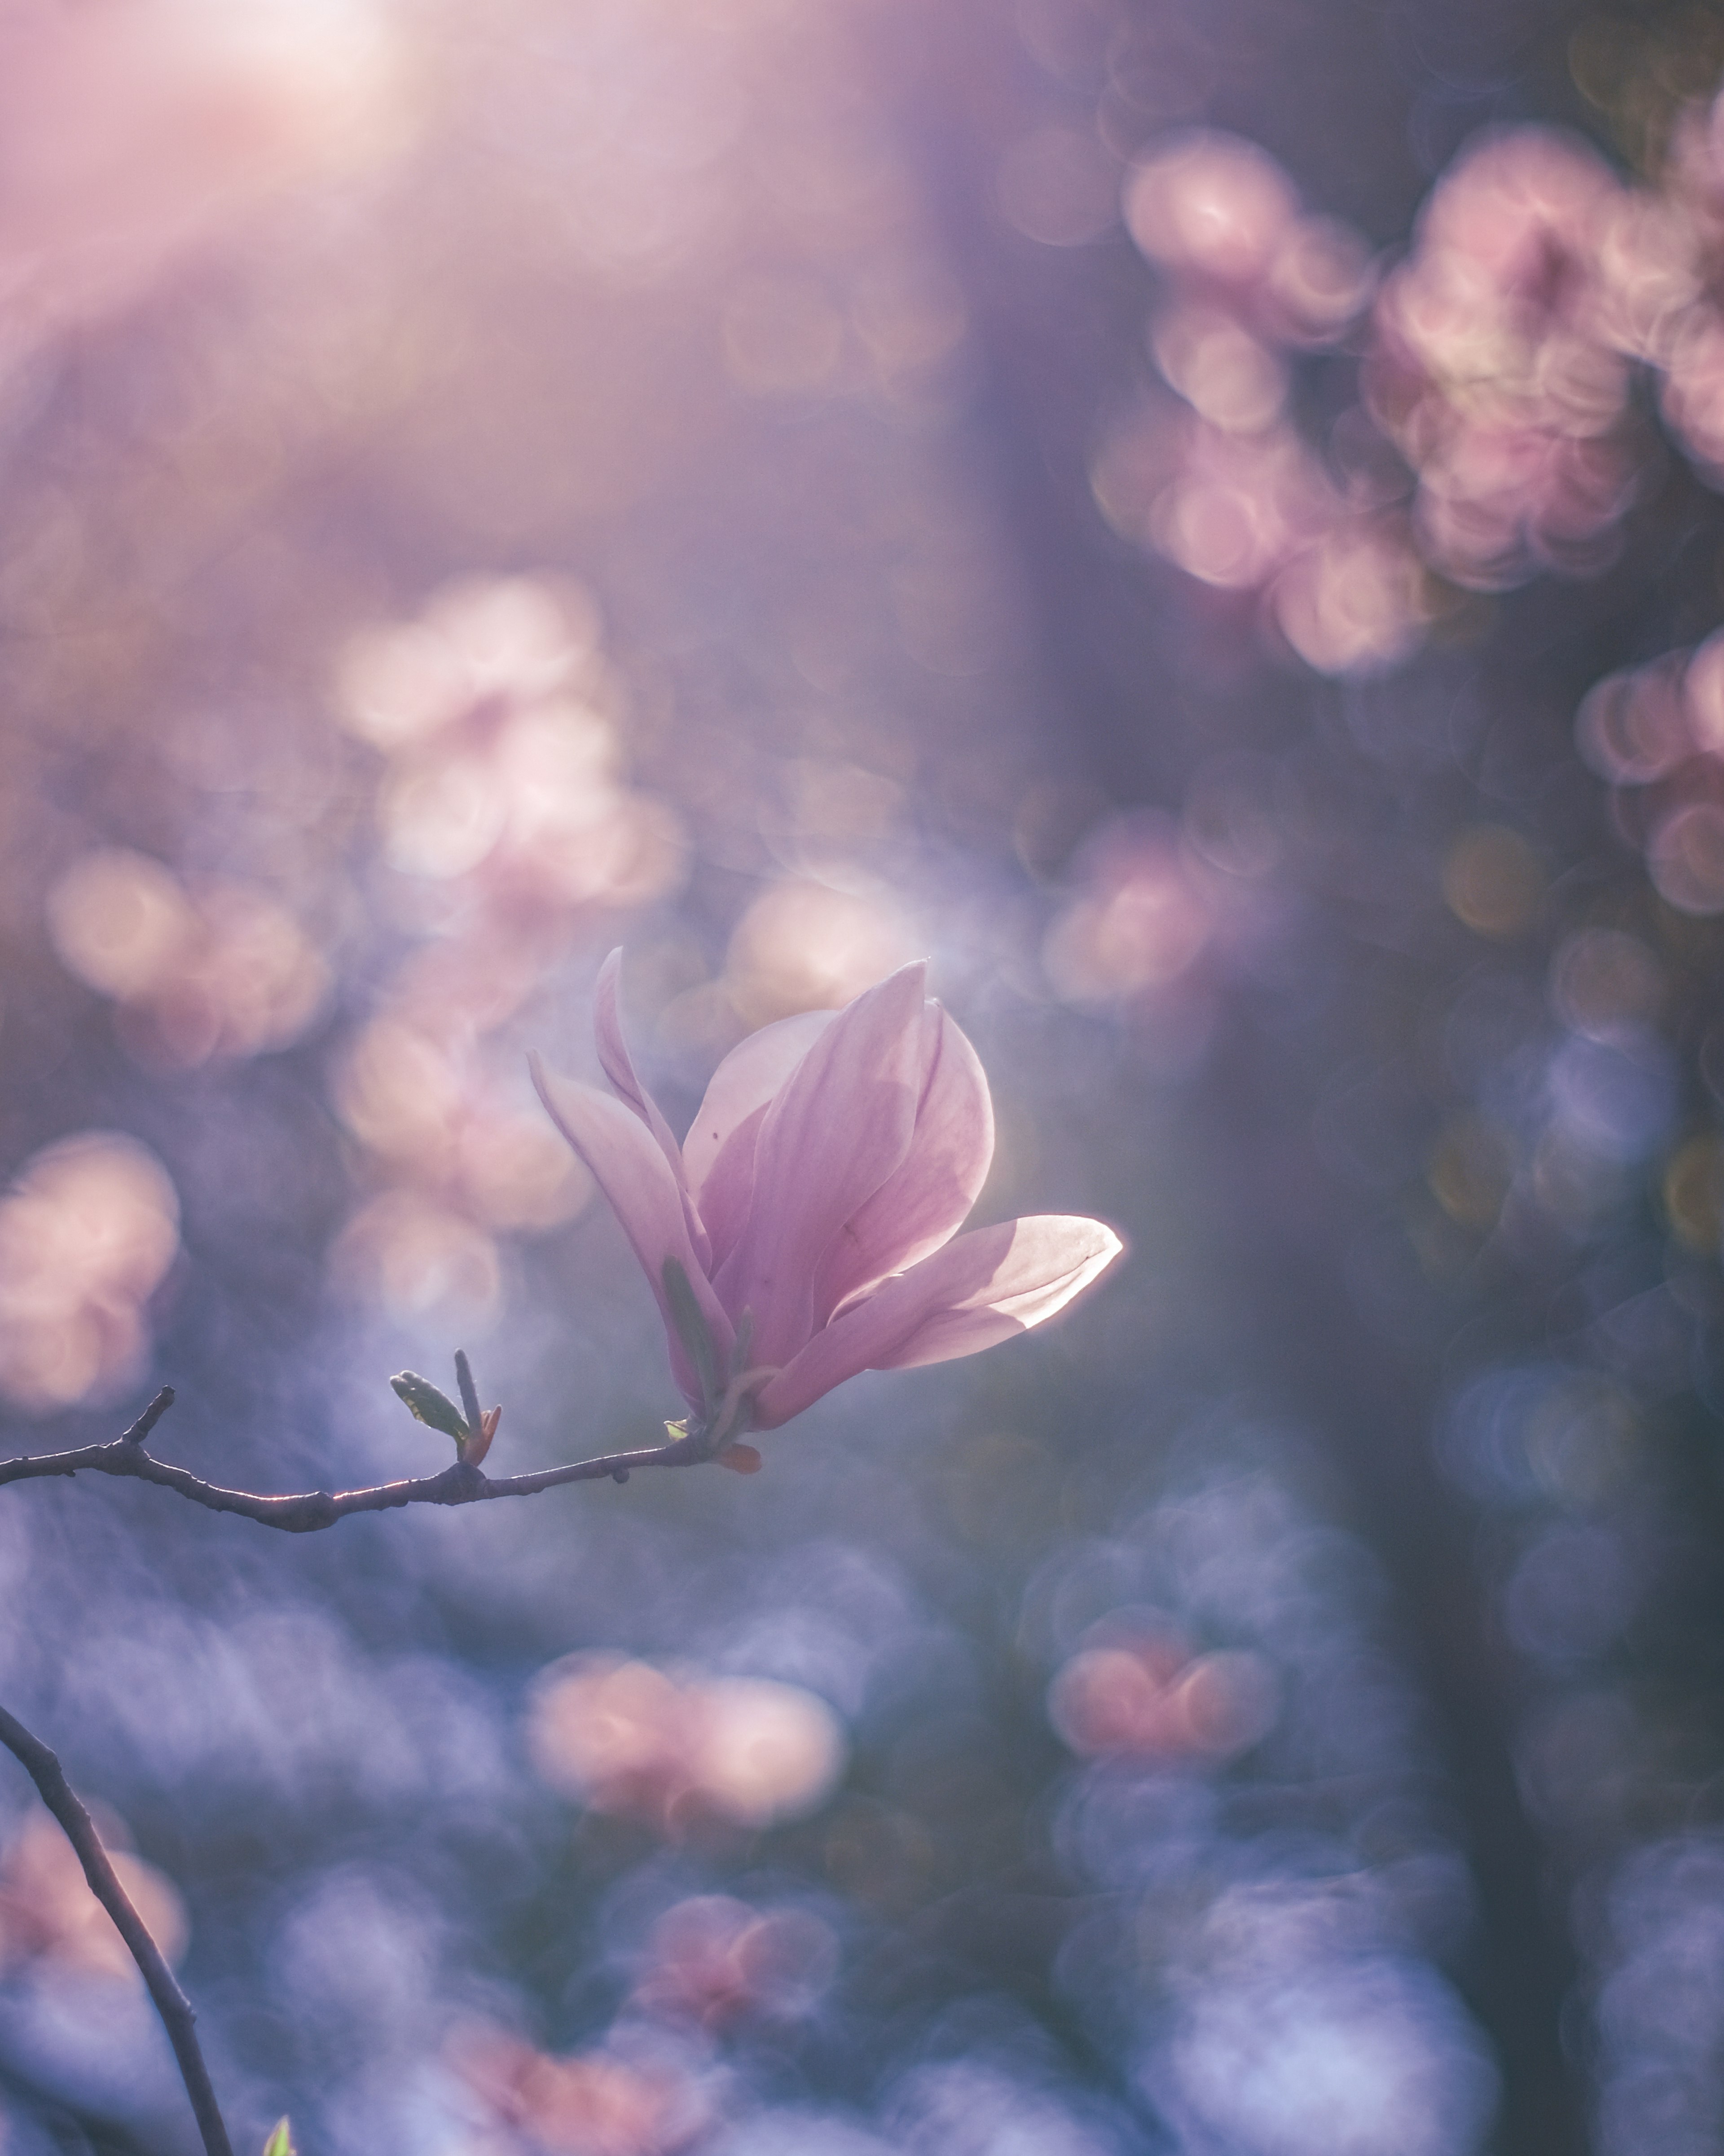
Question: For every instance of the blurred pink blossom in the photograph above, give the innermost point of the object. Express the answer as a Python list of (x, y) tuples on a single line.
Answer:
[(1148, 1694), (51, 1922), (596, 2103), (677, 1748), (1503, 348), (218, 969), (88, 1232), (1655, 733), (1493, 368), (504, 807), (1499, 435), (714, 1960), (812, 1209), (1230, 490), (1157, 915), (1138, 921), (1221, 217), (497, 711), (1240, 505)]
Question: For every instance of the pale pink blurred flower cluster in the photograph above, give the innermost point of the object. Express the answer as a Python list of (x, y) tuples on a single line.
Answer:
[(1226, 486), (811, 1214), (712, 1961), (1158, 914), (1662, 273), (595, 2104), (1139, 919), (807, 941), (711, 1969), (88, 1232), (1656, 733), (1147, 1694), (1496, 436), (504, 813), (50, 1922), (677, 1749), (807, 944), (1501, 360), (219, 969), (711, 1966)]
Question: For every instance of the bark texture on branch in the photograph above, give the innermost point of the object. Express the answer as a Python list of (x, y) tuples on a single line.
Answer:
[(461, 1483)]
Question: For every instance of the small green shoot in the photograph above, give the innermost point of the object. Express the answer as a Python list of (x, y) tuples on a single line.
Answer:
[(423, 1401)]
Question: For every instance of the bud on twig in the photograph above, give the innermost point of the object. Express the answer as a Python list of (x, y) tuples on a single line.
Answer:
[(425, 1403), (428, 1403)]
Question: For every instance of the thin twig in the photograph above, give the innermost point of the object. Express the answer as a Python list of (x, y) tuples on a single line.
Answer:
[(171, 2004), (460, 1483)]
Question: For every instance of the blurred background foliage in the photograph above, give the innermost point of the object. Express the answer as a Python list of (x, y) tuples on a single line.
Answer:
[(1204, 519)]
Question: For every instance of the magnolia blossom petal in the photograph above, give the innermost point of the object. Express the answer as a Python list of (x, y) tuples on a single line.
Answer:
[(1051, 1259), (837, 1128), (629, 1166), (728, 1190), (618, 1067), (718, 1152), (746, 1079), (927, 1199), (977, 1290)]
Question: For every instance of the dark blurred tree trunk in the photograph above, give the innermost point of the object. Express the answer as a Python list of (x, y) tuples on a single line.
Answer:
[(1057, 331)]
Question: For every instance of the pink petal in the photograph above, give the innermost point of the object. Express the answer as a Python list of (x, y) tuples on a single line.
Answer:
[(927, 1198), (728, 1192), (718, 1152), (618, 1065), (833, 1133), (977, 1290), (647, 1199)]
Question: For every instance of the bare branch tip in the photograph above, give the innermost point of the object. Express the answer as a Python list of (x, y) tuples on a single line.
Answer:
[(148, 1419)]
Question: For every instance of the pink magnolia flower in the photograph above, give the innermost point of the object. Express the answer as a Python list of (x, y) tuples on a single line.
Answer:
[(806, 1228)]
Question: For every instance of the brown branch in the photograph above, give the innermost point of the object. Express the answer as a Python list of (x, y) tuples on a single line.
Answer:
[(460, 1484), (171, 2004)]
